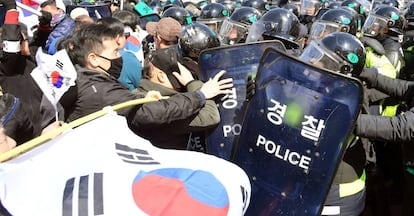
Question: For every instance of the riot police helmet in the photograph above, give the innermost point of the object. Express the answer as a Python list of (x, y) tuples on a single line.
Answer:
[(195, 38), (213, 15), (292, 8), (230, 5), (339, 51), (260, 5), (234, 29), (334, 20), (384, 20), (355, 5), (311, 7), (183, 16), (409, 15), (278, 23)]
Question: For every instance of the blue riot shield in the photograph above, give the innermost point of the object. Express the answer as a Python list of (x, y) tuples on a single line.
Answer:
[(294, 134), (239, 61)]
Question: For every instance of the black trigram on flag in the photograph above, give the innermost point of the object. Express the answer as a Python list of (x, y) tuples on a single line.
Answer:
[(134, 155), (83, 195)]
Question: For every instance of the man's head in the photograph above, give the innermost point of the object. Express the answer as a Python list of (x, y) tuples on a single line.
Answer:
[(159, 68), (53, 6), (95, 47), (165, 32)]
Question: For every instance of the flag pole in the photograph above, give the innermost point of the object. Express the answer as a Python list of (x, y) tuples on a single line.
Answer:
[(29, 9), (52, 134)]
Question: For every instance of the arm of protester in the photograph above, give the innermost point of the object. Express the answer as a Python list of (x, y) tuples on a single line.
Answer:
[(43, 30), (11, 59), (214, 86)]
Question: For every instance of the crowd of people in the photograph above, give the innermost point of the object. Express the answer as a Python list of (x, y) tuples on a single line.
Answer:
[(136, 49)]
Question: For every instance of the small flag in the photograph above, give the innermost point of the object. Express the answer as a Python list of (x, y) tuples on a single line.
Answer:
[(55, 74)]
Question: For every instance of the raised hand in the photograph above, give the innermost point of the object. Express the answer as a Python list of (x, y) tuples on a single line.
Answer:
[(214, 86)]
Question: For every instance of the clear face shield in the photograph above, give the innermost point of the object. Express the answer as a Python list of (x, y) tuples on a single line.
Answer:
[(322, 28), (214, 25), (374, 24), (260, 27), (309, 7), (232, 33), (319, 56)]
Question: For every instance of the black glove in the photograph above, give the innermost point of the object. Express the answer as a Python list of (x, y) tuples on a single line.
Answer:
[(250, 87), (8, 4), (45, 19), (368, 75)]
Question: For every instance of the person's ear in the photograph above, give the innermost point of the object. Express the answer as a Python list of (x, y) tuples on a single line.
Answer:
[(162, 77), (92, 59)]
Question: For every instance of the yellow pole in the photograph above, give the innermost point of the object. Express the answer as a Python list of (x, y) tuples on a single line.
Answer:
[(50, 135)]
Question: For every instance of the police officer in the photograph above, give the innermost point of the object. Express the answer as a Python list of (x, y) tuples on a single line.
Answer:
[(278, 24), (392, 128), (342, 53), (235, 28)]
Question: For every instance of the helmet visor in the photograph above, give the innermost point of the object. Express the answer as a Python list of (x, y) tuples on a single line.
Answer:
[(268, 28), (309, 7), (373, 25), (320, 29), (231, 33), (317, 55), (213, 24)]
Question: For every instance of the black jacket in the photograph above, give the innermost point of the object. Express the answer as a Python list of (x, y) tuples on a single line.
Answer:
[(397, 128), (175, 135), (15, 76), (95, 90)]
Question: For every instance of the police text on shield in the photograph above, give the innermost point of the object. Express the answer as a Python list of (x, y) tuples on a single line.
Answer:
[(286, 154)]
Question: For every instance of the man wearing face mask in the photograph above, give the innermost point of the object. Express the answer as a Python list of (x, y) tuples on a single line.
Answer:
[(127, 68)]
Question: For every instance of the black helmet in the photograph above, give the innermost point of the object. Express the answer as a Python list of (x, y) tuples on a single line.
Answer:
[(334, 20), (393, 3), (235, 28), (409, 15), (180, 14), (203, 3), (278, 23), (311, 7), (156, 6), (334, 4), (171, 3), (230, 5), (260, 5), (213, 15), (277, 3), (292, 8), (355, 5), (338, 51), (384, 19), (195, 38)]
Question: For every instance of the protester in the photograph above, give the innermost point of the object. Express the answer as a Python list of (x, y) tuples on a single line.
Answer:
[(133, 32), (60, 24), (93, 49), (175, 136), (162, 34), (127, 68)]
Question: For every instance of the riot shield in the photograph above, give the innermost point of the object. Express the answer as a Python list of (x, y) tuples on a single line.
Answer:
[(239, 61), (294, 134)]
